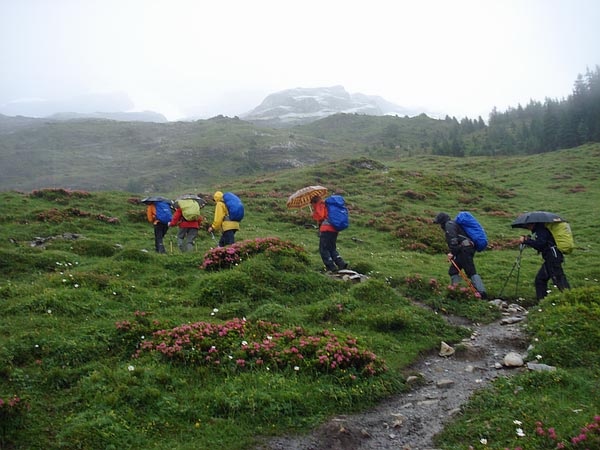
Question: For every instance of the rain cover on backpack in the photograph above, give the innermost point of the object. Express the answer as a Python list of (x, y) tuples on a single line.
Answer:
[(337, 212), (473, 229), (561, 232), (235, 208), (163, 212), (190, 209)]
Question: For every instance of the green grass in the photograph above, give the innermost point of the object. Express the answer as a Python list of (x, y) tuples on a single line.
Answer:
[(62, 353)]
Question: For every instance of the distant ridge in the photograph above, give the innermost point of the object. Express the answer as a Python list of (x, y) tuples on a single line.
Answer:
[(134, 116)]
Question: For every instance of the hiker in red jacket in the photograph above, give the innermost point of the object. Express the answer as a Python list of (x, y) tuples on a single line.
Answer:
[(188, 230), (327, 237)]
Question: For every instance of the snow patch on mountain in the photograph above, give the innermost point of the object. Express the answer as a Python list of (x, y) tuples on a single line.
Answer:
[(303, 105)]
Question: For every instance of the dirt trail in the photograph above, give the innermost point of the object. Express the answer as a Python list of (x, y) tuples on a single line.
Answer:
[(410, 420)]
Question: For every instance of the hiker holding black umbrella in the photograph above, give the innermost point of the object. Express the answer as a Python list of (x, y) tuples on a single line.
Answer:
[(159, 214), (544, 242)]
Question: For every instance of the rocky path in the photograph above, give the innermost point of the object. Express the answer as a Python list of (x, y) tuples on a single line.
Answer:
[(409, 421)]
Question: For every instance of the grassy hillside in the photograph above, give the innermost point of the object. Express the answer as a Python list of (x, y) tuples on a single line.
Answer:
[(149, 157), (84, 302)]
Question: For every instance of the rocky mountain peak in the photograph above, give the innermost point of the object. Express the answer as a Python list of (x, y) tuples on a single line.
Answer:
[(303, 105)]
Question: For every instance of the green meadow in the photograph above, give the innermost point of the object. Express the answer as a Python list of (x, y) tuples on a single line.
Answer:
[(106, 344)]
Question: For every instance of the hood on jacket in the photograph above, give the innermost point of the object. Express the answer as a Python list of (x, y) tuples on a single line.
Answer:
[(218, 197), (441, 218)]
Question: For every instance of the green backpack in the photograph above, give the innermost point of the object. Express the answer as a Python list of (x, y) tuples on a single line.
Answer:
[(190, 209), (563, 236)]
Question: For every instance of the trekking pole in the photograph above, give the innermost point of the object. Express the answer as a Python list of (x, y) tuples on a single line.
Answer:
[(171, 244), (516, 264), (213, 237), (464, 277)]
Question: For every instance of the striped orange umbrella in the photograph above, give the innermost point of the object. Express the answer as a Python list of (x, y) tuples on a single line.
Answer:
[(302, 197)]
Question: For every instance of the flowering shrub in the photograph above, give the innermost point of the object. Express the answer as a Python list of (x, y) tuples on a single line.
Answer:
[(53, 194), (588, 437), (456, 292), (108, 219), (227, 257), (55, 215), (418, 288), (241, 344), (12, 411), (136, 330)]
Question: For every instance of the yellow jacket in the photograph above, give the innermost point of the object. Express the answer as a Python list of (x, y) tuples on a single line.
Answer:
[(221, 213)]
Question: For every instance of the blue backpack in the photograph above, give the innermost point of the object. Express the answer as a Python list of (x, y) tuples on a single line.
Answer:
[(474, 230), (235, 208), (163, 212), (337, 212)]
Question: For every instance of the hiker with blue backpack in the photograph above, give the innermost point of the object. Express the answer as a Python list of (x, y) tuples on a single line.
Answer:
[(328, 233), (229, 211), (462, 250), (159, 215)]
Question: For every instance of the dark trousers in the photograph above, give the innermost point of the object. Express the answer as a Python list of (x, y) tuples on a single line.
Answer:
[(464, 260), (160, 230), (227, 238), (551, 270), (328, 250)]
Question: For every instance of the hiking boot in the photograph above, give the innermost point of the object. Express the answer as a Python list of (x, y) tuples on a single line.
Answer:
[(483, 295)]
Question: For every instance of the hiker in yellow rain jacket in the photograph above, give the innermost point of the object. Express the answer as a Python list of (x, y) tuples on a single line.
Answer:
[(221, 222)]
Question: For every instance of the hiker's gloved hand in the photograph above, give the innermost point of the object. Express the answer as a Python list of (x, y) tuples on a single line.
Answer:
[(210, 229)]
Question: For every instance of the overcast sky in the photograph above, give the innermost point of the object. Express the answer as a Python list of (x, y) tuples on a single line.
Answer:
[(201, 57)]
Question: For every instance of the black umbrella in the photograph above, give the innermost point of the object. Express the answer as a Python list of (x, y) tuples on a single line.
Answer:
[(536, 217), (199, 199), (154, 199)]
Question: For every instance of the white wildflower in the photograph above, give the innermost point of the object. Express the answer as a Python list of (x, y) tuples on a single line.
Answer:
[(520, 432), (483, 441), (131, 368), (296, 368), (538, 357), (517, 422), (215, 310), (244, 343)]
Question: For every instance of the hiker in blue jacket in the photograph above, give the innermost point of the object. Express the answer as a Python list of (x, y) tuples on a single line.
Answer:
[(462, 252), (553, 258)]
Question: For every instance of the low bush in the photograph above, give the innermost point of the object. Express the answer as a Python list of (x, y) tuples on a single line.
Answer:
[(227, 257), (565, 328), (92, 247), (241, 345)]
